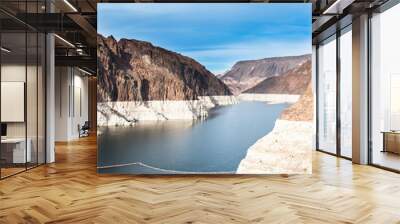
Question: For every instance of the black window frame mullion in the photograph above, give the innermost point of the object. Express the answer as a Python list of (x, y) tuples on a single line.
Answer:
[(338, 93), (0, 96), (37, 91), (369, 95), (26, 86), (317, 96)]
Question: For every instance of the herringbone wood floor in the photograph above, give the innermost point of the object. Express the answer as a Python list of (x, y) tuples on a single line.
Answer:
[(70, 191)]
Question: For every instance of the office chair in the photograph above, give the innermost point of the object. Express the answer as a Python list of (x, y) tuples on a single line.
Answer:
[(84, 130)]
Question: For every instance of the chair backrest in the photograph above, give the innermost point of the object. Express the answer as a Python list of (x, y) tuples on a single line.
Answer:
[(86, 125)]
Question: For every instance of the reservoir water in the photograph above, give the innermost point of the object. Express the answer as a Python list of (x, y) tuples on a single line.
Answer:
[(214, 145)]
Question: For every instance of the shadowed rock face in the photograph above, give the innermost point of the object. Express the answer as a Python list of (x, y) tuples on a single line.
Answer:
[(294, 81), (132, 70), (246, 74)]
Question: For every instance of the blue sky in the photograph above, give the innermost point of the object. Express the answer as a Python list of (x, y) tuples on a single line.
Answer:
[(216, 35)]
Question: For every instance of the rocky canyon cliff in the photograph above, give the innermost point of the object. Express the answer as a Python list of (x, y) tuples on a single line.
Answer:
[(133, 70), (247, 74)]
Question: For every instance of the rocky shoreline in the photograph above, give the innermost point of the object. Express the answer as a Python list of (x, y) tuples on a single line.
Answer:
[(270, 98), (286, 149), (125, 113)]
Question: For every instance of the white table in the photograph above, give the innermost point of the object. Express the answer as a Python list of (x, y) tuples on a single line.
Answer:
[(19, 153)]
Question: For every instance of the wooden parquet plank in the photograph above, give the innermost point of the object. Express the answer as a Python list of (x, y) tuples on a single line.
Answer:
[(70, 191)]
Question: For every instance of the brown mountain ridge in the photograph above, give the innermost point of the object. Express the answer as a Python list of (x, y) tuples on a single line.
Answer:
[(294, 81), (246, 74), (133, 70)]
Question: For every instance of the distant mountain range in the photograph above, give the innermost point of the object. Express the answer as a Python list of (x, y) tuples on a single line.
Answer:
[(294, 81), (246, 75), (133, 70)]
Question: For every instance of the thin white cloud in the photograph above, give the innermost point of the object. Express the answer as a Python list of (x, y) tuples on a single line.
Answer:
[(249, 50), (215, 36)]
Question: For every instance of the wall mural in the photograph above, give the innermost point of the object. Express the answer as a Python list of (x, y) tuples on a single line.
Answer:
[(204, 88)]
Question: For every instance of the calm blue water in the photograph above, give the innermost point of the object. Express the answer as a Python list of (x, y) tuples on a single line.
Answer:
[(216, 144)]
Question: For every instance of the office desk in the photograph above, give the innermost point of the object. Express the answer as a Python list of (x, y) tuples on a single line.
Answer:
[(13, 150)]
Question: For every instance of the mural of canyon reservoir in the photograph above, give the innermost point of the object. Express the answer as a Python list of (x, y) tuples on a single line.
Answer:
[(204, 88)]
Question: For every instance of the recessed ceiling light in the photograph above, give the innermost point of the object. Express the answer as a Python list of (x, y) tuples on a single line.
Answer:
[(64, 40), (337, 7), (70, 5), (84, 71), (5, 50)]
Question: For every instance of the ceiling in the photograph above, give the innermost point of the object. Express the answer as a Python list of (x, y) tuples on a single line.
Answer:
[(75, 21)]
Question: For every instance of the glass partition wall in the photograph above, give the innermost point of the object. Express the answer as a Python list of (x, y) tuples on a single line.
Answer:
[(385, 89), (22, 77), (334, 84)]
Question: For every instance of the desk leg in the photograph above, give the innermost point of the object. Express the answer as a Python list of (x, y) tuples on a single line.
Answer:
[(384, 142)]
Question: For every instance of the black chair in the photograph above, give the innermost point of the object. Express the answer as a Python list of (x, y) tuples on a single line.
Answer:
[(84, 130)]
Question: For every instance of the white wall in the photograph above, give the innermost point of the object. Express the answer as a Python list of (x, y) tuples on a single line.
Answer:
[(81, 85), (70, 84), (62, 82)]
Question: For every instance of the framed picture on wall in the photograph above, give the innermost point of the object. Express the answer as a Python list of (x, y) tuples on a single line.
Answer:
[(204, 88)]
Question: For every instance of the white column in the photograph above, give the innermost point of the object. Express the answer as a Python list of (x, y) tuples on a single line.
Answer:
[(360, 90), (314, 89), (50, 99)]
